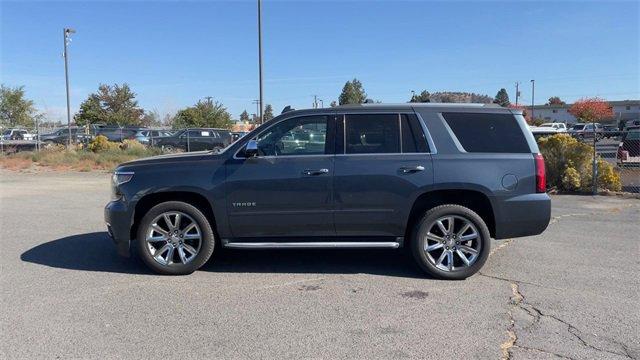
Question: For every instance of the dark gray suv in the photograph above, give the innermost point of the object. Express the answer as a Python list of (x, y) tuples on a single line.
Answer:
[(438, 179)]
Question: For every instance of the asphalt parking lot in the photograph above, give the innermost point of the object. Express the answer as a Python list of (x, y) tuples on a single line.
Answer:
[(571, 292)]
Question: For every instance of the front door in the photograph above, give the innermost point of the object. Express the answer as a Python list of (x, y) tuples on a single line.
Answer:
[(285, 191)]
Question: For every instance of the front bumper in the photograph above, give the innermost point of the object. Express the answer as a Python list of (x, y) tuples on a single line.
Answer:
[(118, 219), (523, 215)]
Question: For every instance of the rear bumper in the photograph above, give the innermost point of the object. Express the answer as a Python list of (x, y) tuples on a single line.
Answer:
[(523, 215), (118, 221)]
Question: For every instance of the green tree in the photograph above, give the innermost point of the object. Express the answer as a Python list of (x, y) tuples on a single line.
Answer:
[(15, 109), (244, 117), (203, 114), (110, 105), (502, 98), (554, 100), (268, 113), (151, 118), (352, 93), (423, 97)]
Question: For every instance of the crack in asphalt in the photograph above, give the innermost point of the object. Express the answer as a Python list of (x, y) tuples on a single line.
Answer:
[(518, 301)]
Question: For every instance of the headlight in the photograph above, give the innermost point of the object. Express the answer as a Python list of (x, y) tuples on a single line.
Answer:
[(119, 178)]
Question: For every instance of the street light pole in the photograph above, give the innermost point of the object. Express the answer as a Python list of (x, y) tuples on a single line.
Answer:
[(533, 93), (66, 32), (260, 55), (517, 91)]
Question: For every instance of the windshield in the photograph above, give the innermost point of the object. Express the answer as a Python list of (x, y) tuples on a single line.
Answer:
[(7, 132), (578, 127)]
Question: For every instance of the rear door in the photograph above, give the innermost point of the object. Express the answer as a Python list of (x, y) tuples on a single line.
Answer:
[(381, 162)]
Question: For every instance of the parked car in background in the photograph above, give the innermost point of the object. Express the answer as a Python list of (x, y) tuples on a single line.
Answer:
[(611, 131), (629, 124), (357, 176), (196, 140), (236, 135), (629, 148), (61, 136), (149, 136), (17, 134), (118, 134), (550, 127), (547, 129), (583, 131)]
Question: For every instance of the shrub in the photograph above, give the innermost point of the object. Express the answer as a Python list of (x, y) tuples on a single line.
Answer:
[(569, 165), (101, 143), (608, 177), (571, 179), (132, 145)]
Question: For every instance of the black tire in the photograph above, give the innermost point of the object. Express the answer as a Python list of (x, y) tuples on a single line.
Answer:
[(206, 249), (419, 237)]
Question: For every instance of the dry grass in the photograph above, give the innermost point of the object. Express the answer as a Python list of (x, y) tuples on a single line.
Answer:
[(77, 160)]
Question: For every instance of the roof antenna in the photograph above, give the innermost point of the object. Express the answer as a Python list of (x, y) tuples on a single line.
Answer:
[(287, 109)]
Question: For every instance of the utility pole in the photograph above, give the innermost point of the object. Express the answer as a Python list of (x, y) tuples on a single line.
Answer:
[(208, 99), (260, 55), (413, 95), (315, 101), (321, 103), (594, 165), (66, 33), (517, 91), (533, 93)]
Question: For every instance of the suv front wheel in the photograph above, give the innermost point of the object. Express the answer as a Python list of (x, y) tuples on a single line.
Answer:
[(175, 238), (451, 242)]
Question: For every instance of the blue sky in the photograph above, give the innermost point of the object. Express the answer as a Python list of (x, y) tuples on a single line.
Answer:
[(174, 53)]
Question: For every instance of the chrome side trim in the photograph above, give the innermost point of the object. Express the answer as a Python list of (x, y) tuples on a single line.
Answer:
[(311, 245)]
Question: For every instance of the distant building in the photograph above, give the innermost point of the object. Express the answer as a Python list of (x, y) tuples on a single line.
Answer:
[(623, 110), (240, 126)]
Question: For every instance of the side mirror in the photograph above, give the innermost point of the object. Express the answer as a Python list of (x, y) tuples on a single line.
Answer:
[(251, 150)]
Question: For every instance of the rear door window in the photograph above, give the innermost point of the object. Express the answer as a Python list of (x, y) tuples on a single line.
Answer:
[(487, 133), (372, 134)]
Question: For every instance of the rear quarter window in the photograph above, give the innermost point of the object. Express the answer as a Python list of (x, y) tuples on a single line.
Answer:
[(487, 133)]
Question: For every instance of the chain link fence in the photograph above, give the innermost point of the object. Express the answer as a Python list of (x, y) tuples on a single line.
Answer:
[(619, 148), (170, 140), (622, 150)]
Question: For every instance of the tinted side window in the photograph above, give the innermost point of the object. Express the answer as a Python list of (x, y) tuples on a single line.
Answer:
[(487, 133), (372, 134), (413, 138), (298, 136)]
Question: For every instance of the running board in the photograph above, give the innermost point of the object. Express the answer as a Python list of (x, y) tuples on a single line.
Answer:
[(312, 245)]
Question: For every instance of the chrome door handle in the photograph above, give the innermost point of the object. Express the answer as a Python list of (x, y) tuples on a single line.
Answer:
[(412, 169), (315, 172)]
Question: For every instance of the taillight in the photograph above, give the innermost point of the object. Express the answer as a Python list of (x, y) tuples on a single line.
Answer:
[(541, 175)]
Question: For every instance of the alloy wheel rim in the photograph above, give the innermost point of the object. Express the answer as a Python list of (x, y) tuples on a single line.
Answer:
[(173, 238), (452, 243)]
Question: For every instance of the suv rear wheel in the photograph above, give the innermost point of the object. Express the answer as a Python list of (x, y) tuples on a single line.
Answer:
[(175, 238), (451, 242)]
